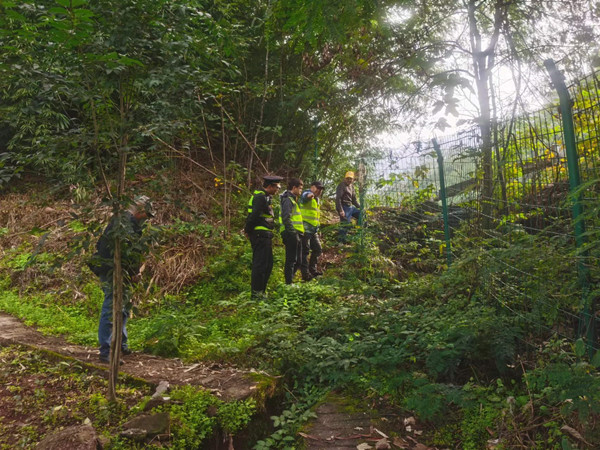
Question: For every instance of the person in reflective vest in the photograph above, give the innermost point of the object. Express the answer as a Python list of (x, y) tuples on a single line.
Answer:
[(259, 228), (310, 206), (292, 228)]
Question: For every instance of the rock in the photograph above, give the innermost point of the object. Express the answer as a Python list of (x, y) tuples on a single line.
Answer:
[(150, 424), (135, 434), (59, 412), (383, 444), (155, 402), (103, 441), (212, 411), (162, 387), (78, 437)]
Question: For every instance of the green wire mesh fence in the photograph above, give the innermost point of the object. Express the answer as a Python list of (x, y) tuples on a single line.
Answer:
[(542, 247)]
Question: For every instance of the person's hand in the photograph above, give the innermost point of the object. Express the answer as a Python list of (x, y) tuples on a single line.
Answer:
[(310, 195), (342, 214)]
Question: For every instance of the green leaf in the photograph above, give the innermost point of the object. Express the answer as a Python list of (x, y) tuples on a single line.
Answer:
[(437, 107), (596, 360), (579, 348), (126, 61), (63, 25), (15, 15), (71, 3), (58, 11), (442, 124), (565, 444), (83, 13)]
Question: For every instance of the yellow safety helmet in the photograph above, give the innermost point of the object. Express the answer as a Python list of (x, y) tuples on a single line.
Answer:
[(349, 174)]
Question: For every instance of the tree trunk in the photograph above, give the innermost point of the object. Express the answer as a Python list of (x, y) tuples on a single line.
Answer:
[(483, 63), (115, 343), (223, 143), (118, 284)]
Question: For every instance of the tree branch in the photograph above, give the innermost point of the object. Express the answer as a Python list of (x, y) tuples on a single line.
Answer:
[(196, 163)]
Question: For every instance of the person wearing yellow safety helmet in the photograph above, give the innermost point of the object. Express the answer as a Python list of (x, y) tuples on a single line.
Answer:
[(346, 204), (260, 223)]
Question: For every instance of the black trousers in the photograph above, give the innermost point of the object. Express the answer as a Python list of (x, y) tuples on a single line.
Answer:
[(262, 259), (293, 255), (311, 244)]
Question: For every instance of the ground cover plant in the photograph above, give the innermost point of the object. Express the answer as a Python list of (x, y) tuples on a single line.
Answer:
[(39, 395), (191, 102), (473, 367)]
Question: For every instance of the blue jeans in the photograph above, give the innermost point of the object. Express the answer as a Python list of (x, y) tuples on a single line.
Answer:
[(346, 221), (105, 326)]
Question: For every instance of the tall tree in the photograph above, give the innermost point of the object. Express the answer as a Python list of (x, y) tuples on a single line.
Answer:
[(87, 86)]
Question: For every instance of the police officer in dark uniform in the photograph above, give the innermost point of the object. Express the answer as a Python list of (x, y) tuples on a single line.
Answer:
[(259, 228)]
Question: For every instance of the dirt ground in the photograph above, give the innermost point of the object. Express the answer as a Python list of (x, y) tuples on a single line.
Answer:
[(39, 395), (227, 383)]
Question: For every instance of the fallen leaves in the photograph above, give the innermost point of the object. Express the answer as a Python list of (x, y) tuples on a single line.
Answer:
[(575, 434)]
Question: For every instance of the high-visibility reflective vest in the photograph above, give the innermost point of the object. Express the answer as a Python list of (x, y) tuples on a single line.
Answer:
[(311, 212), (296, 218), (263, 215)]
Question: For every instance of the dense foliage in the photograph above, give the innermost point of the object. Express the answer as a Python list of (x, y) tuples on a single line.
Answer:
[(436, 344), (220, 83), (487, 347)]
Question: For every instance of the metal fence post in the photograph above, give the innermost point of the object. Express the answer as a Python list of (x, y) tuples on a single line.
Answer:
[(440, 159), (362, 176), (586, 321), (316, 152)]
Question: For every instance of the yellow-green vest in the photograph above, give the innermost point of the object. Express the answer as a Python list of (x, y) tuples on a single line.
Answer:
[(296, 218), (263, 215), (311, 212)]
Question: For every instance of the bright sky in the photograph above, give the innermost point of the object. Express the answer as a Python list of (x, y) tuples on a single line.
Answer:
[(533, 91)]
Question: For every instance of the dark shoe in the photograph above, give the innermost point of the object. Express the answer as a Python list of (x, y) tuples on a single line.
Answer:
[(307, 277), (316, 273), (126, 351), (258, 296)]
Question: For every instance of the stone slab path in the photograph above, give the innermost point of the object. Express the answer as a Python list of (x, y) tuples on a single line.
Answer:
[(340, 425)]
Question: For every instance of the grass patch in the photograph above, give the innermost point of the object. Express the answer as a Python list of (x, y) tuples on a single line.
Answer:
[(43, 311)]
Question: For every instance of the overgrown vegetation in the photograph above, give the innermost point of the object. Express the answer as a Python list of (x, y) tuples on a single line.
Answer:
[(200, 98), (435, 344), (39, 396)]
